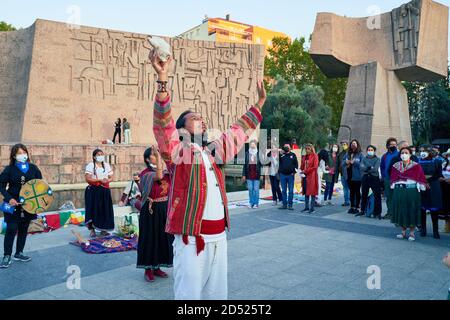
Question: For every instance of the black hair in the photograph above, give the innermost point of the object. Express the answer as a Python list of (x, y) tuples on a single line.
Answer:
[(408, 148), (323, 155), (15, 148), (147, 153), (334, 144), (94, 154), (181, 122), (371, 146), (358, 147), (388, 141)]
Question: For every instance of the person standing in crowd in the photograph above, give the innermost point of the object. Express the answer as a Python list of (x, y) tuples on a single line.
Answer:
[(19, 171), (295, 145), (432, 197), (392, 152), (370, 171), (198, 207), (321, 171), (287, 170), (351, 169), (407, 180), (131, 194), (117, 131), (274, 163), (155, 249), (331, 177), (401, 144), (445, 187), (98, 200), (251, 173), (309, 165), (346, 190), (126, 131)]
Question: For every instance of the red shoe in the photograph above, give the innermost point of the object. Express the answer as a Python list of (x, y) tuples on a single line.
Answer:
[(149, 277), (160, 273)]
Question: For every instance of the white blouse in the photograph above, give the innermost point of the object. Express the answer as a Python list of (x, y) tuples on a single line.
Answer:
[(100, 173)]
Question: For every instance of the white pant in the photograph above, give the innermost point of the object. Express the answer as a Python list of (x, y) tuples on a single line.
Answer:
[(202, 277), (127, 136)]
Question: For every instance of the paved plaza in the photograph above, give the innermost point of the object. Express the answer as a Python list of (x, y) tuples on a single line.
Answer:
[(273, 254)]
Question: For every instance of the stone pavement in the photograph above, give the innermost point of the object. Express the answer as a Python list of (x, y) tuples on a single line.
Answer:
[(273, 254)]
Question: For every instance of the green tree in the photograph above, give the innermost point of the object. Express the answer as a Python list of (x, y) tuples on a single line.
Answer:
[(302, 115), (429, 107), (293, 62), (6, 27)]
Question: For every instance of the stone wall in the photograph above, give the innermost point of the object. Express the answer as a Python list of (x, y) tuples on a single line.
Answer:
[(65, 164), (73, 84)]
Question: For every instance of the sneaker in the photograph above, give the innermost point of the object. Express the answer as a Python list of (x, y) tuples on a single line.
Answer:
[(160, 273), (351, 211), (291, 208), (149, 277), (283, 208), (312, 211), (304, 210), (6, 262), (401, 236), (274, 203), (346, 204), (256, 206), (411, 238), (20, 257)]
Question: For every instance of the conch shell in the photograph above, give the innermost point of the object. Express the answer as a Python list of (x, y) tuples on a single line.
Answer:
[(161, 47)]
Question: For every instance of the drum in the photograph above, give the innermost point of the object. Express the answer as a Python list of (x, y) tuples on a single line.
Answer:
[(36, 196)]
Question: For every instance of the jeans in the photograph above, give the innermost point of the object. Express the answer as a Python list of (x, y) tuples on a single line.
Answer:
[(13, 228), (310, 201), (287, 181), (253, 192), (276, 191), (370, 182), (329, 187), (355, 193), (117, 132), (346, 190)]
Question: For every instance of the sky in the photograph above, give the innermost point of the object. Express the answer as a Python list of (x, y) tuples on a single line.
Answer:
[(172, 17)]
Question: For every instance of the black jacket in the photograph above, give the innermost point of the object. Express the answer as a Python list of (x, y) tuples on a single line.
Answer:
[(288, 163), (12, 177), (247, 161)]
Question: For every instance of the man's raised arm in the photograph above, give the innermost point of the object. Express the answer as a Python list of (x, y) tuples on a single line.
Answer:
[(164, 128)]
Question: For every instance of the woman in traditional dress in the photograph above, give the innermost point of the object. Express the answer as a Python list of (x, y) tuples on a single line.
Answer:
[(98, 200), (14, 176), (407, 181), (431, 198), (155, 245)]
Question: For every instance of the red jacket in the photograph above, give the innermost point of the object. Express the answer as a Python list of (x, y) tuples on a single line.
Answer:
[(187, 198), (309, 166)]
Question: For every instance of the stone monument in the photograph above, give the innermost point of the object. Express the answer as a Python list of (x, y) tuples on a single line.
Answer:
[(409, 43)]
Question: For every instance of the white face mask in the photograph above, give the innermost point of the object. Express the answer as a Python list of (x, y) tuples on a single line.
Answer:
[(424, 154), (22, 158), (335, 149), (405, 156), (370, 153), (100, 158)]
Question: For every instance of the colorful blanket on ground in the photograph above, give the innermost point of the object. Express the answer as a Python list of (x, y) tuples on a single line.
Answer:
[(110, 244)]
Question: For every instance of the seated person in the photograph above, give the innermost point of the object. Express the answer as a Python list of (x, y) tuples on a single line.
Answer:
[(131, 195)]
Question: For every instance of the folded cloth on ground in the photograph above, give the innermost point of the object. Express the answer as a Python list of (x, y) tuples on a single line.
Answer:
[(109, 244)]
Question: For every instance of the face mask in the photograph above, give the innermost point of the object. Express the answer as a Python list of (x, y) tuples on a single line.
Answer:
[(392, 149), (413, 153), (22, 158), (100, 158), (335, 149), (424, 155), (152, 166), (405, 156), (286, 149), (370, 153)]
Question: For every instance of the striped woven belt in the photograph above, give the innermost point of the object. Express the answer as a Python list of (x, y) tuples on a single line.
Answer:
[(162, 199), (406, 186)]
